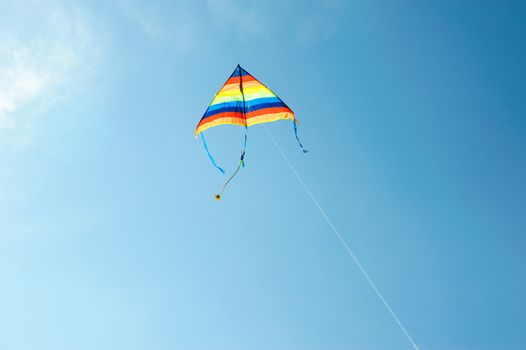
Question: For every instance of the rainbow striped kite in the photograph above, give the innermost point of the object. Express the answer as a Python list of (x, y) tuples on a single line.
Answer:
[(245, 101)]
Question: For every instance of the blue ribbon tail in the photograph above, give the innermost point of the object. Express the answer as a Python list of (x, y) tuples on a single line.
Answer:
[(210, 155), (244, 148), (297, 138)]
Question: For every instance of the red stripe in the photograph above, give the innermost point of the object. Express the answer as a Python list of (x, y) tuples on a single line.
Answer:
[(235, 80)]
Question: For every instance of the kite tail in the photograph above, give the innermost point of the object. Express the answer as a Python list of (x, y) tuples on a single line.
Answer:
[(297, 138), (244, 147), (241, 164), (210, 155)]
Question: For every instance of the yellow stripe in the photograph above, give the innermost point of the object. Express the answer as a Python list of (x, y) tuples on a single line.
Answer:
[(255, 89), (226, 98), (265, 118), (238, 97), (262, 94), (247, 91), (229, 92)]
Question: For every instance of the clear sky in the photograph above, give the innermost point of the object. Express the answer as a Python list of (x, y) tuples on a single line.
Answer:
[(414, 113)]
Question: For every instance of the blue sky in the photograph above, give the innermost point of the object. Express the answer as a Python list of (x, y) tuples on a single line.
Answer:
[(414, 115)]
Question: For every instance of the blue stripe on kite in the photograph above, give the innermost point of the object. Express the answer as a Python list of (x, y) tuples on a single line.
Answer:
[(256, 101), (236, 72), (257, 107), (224, 105), (248, 103), (239, 109)]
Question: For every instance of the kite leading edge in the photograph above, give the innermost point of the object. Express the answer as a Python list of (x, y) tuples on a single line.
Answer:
[(245, 101)]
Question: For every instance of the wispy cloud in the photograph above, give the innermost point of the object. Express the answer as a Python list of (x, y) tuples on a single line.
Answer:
[(309, 21), (40, 63), (146, 16), (186, 26), (321, 22), (172, 23), (247, 18), (7, 265)]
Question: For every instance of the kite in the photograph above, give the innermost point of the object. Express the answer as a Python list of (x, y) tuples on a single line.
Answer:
[(245, 101)]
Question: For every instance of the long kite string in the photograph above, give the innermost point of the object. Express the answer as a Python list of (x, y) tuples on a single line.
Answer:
[(343, 242)]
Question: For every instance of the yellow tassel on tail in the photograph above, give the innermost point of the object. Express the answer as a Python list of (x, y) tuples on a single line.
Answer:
[(218, 196)]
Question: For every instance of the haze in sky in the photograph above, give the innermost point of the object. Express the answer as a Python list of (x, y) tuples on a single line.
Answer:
[(414, 116)]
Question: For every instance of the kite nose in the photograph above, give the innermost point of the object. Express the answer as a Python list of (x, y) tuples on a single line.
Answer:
[(217, 197)]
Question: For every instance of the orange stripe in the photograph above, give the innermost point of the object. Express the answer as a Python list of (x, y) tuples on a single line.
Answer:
[(237, 115), (235, 121), (229, 85), (268, 111), (256, 119), (266, 118), (235, 80)]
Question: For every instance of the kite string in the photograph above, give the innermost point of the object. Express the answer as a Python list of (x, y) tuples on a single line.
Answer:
[(343, 242)]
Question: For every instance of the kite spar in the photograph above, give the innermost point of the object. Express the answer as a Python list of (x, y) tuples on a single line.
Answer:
[(245, 101)]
